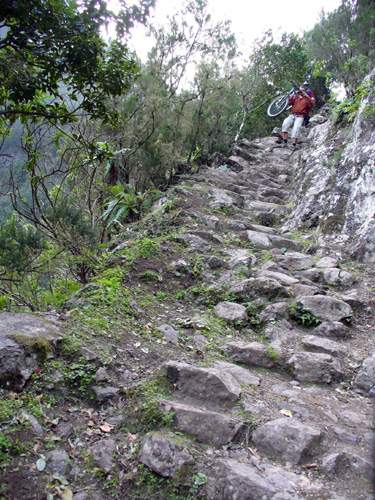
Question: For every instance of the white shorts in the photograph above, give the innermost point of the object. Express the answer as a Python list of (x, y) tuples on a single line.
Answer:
[(296, 122)]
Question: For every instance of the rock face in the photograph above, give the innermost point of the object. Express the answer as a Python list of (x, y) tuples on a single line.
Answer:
[(24, 339), (164, 455), (287, 439), (336, 194)]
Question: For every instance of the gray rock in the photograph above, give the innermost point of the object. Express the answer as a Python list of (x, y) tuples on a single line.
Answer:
[(105, 393), (171, 335), (332, 329), (365, 380), (58, 462), (240, 257), (180, 266), (280, 242), (251, 353), (35, 425), (102, 375), (275, 311), (301, 290), (325, 307), (288, 440), (194, 242), (163, 454), (102, 454), (242, 375), (205, 425), (337, 277), (205, 384), (315, 367), (232, 480), (282, 278), (345, 463), (220, 198), (259, 240), (253, 287), (326, 262), (215, 262), (200, 341), (64, 429), (25, 339), (318, 344), (295, 261), (231, 312)]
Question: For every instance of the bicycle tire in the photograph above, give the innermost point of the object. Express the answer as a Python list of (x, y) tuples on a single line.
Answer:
[(277, 106)]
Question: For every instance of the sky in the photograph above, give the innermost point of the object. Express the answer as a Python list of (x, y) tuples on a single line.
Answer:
[(250, 18)]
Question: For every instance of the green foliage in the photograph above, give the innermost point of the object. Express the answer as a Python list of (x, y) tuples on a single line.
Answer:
[(79, 376), (253, 315), (50, 45), (347, 110), (305, 318), (20, 245), (341, 44), (9, 448), (210, 295)]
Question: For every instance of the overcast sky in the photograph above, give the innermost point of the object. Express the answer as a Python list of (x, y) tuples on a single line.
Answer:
[(250, 18)]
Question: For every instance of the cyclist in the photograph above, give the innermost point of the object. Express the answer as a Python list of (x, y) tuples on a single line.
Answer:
[(301, 101)]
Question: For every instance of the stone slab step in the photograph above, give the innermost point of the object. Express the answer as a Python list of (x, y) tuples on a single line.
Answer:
[(205, 425), (208, 385)]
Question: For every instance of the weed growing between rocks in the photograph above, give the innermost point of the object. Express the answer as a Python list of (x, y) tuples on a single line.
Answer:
[(303, 317)]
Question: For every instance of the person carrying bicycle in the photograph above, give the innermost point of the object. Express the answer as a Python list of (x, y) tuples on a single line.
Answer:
[(302, 102)]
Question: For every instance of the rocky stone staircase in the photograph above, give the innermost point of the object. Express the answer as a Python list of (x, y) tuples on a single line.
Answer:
[(287, 415)]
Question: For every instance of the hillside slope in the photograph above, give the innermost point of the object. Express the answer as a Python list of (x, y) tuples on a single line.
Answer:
[(220, 353)]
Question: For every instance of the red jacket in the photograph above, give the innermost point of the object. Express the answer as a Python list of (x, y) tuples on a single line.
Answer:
[(301, 104)]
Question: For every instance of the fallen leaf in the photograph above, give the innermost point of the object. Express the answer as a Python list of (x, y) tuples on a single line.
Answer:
[(106, 427), (287, 413)]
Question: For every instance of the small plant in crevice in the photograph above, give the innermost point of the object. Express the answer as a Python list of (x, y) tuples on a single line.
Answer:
[(253, 315), (303, 317)]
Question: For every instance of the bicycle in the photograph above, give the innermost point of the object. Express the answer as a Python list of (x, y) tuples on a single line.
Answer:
[(280, 103)]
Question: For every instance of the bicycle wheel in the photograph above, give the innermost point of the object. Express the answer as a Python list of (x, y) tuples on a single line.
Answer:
[(277, 106)]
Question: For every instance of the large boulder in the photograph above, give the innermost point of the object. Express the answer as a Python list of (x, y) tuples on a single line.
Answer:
[(164, 454), (325, 308), (288, 440), (25, 340), (345, 464)]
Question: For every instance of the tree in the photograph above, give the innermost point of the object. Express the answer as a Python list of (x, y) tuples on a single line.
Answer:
[(54, 61), (342, 45)]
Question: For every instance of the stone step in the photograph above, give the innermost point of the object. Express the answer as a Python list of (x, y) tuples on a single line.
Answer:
[(288, 440), (252, 480), (268, 241), (206, 426), (250, 353), (210, 386)]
